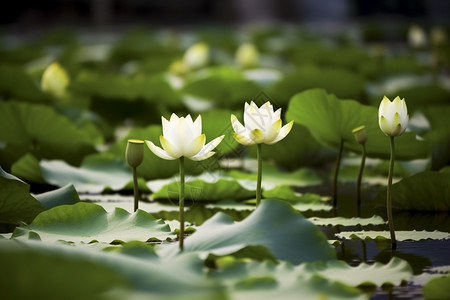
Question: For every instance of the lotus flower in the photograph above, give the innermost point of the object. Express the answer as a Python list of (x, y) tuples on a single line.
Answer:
[(262, 125), (55, 80), (183, 137), (393, 116)]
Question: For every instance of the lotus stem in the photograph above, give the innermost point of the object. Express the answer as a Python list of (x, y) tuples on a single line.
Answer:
[(258, 182), (181, 204), (135, 189), (336, 173), (358, 182), (389, 195)]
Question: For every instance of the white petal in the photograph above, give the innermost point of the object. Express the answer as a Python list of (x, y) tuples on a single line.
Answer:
[(273, 131), (243, 139), (195, 146), (237, 126), (284, 131), (158, 151), (254, 119), (174, 118), (199, 156), (172, 149)]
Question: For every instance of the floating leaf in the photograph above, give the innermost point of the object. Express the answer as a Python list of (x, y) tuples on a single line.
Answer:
[(63, 196), (93, 176), (274, 226), (272, 177), (16, 203), (437, 288), (28, 168), (98, 272), (399, 235), (87, 223), (40, 130), (267, 280), (331, 120), (425, 191), (208, 186), (374, 220)]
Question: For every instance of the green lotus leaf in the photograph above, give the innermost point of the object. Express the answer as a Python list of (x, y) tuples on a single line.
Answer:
[(433, 272), (331, 120), (28, 168), (374, 220), (40, 130), (274, 225), (391, 67), (63, 196), (208, 186), (93, 176), (272, 177), (16, 84), (395, 272), (412, 235), (100, 273), (267, 280), (344, 84), (437, 288), (16, 203), (88, 222), (425, 191)]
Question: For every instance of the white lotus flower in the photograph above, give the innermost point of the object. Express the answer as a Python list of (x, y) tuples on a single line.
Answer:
[(417, 37), (55, 80), (393, 116), (196, 56), (262, 125), (183, 137)]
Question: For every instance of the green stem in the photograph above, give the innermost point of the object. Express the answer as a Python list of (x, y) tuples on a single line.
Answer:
[(389, 196), (358, 183), (181, 203), (336, 173), (135, 190), (258, 182)]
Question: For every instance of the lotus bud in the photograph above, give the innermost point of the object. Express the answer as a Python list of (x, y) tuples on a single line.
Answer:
[(417, 37), (196, 56), (393, 116), (247, 56), (55, 80), (134, 152), (360, 134)]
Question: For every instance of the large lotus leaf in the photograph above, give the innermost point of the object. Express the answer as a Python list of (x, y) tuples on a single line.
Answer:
[(399, 235), (16, 203), (437, 288), (42, 268), (153, 167), (216, 123), (267, 280), (343, 83), (425, 191), (42, 131), (439, 134), (272, 177), (340, 221), (390, 67), (274, 225), (297, 149), (395, 272), (62, 196), (88, 222), (331, 120), (28, 168), (16, 84), (93, 176), (208, 186)]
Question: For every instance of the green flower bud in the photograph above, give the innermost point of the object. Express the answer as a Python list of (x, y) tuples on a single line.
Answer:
[(55, 80), (360, 134), (134, 152)]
